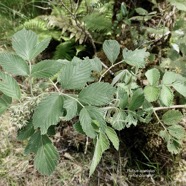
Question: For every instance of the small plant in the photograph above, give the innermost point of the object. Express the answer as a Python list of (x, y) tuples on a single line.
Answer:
[(73, 91)]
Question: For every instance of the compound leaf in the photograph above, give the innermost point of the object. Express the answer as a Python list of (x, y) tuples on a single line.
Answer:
[(153, 76), (172, 117), (166, 95), (151, 93), (112, 49), (9, 86), (14, 64), (48, 112), (45, 69), (135, 58), (97, 94)]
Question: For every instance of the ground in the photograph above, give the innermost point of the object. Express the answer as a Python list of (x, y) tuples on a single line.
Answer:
[(16, 169)]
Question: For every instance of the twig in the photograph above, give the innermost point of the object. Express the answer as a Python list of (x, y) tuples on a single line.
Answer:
[(109, 69), (86, 145), (159, 121), (171, 107), (67, 95)]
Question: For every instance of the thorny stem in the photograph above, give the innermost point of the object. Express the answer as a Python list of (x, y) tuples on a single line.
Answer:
[(109, 69), (67, 95)]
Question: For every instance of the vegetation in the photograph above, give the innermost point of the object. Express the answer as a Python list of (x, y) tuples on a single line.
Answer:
[(112, 73)]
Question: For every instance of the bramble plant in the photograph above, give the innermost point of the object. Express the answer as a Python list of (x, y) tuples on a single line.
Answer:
[(102, 108)]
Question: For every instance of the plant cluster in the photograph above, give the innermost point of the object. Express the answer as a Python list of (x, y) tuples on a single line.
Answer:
[(102, 108)]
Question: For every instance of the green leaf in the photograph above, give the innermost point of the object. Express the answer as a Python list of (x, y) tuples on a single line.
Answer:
[(48, 112), (104, 142), (153, 76), (46, 157), (151, 93), (96, 157), (179, 4), (75, 75), (180, 87), (33, 143), (97, 94), (9, 86), (166, 95), (14, 64), (112, 49), (112, 135), (96, 64), (85, 121), (71, 108), (26, 131), (24, 42), (77, 126), (172, 117), (171, 77), (173, 146), (131, 120), (123, 98), (40, 47), (177, 132), (118, 120), (97, 115), (135, 58), (45, 69), (137, 99), (5, 101)]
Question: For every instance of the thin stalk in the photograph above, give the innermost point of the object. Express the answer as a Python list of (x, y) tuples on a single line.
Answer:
[(30, 78), (67, 95), (159, 121), (171, 107), (109, 69)]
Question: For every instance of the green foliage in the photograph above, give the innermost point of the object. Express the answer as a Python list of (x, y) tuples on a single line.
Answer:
[(97, 94), (100, 107), (50, 110)]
